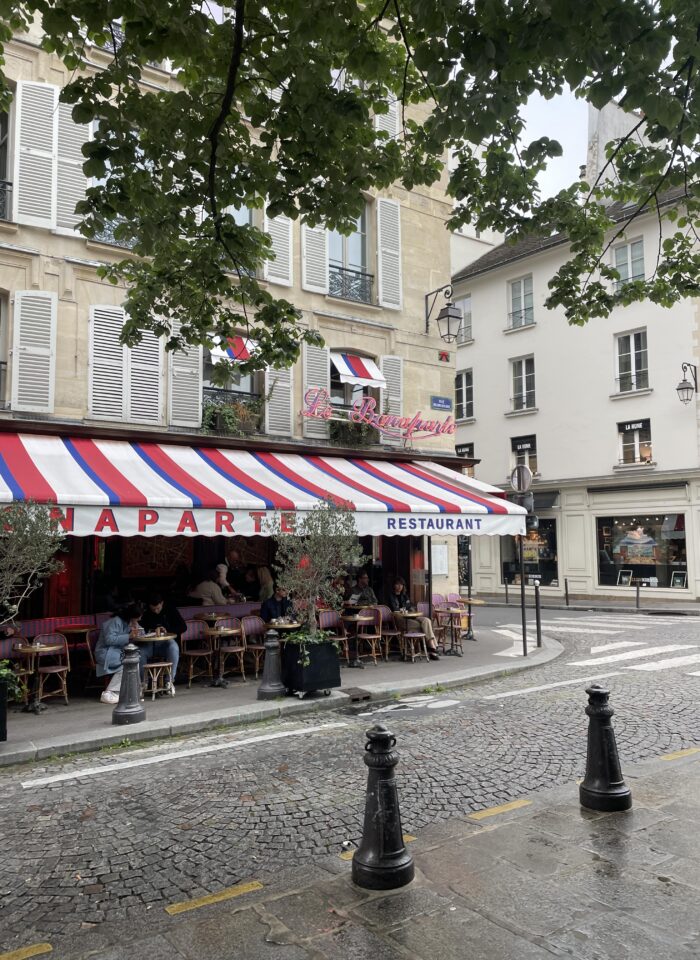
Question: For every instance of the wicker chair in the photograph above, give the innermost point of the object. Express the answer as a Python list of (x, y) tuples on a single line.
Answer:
[(389, 630), (231, 646), (254, 639), (58, 666), (330, 620), (370, 633), (197, 651)]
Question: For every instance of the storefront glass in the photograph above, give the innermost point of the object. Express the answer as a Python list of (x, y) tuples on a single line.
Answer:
[(539, 556), (645, 550)]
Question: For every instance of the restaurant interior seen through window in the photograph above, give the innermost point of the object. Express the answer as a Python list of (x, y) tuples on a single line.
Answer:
[(648, 550), (539, 556)]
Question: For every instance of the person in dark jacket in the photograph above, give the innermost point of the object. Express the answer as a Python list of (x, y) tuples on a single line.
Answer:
[(161, 618), (399, 602), (279, 605)]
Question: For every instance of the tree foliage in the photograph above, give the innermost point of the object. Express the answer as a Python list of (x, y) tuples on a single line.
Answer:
[(29, 540), (273, 103), (312, 562)]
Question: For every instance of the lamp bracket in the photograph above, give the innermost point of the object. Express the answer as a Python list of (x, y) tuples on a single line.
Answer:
[(446, 290), (685, 367)]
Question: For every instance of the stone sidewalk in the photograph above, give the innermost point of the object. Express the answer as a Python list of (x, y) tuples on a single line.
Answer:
[(536, 878), (86, 724)]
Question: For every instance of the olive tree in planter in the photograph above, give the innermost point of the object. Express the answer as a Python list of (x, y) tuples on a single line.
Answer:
[(311, 564)]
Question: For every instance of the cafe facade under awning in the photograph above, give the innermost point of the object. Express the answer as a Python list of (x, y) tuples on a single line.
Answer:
[(104, 487)]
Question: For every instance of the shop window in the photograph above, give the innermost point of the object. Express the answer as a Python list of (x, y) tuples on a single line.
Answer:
[(521, 304), (632, 361), (634, 438), (523, 371), (539, 556), (464, 395), (629, 262), (649, 550), (524, 451)]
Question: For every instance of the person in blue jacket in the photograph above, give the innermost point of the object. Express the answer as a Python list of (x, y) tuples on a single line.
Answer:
[(115, 634)]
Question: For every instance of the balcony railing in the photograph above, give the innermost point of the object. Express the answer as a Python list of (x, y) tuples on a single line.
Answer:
[(235, 413), (464, 334), (524, 401), (619, 284), (4, 402), (220, 395), (521, 318), (350, 284), (5, 200), (629, 382), (106, 235)]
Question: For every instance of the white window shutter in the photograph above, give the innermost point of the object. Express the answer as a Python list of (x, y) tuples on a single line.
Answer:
[(185, 393), (314, 258), (279, 420), (107, 383), (317, 373), (392, 396), (70, 179), (280, 269), (389, 122), (389, 253), (36, 123), (144, 399), (34, 351)]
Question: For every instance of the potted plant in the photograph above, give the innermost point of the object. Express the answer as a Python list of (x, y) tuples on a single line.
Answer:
[(311, 564), (11, 688)]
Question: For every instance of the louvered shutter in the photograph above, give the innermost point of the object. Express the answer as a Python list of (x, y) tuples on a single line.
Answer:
[(70, 179), (34, 351), (107, 363), (185, 394), (35, 154), (314, 259), (317, 373), (392, 396), (278, 408), (389, 122), (145, 378), (389, 253), (279, 270)]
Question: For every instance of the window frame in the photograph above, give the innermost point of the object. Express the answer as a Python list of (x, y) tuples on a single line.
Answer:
[(519, 399), (635, 443), (527, 456), (524, 316), (467, 390), (629, 260), (636, 372), (465, 333)]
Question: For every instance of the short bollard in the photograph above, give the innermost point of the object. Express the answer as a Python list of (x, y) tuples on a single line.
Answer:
[(381, 861), (603, 787), (271, 685), (130, 709)]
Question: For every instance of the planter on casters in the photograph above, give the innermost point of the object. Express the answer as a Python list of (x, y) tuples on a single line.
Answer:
[(322, 672)]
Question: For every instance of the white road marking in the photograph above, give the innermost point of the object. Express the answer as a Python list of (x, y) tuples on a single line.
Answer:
[(617, 645), (667, 664), (632, 654), (584, 631), (605, 624), (510, 634), (118, 766), (551, 686), (440, 704), (693, 673)]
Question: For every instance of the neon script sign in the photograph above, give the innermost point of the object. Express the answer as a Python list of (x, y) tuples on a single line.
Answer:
[(317, 405)]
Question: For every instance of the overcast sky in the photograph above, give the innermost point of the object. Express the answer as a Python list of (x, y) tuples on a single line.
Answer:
[(564, 119)]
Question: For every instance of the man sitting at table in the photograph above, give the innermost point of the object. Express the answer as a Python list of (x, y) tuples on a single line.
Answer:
[(399, 600), (362, 593), (160, 618), (279, 605), (115, 634)]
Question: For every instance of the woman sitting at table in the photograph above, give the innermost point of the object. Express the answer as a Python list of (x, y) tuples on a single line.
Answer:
[(160, 619), (279, 605), (115, 634), (399, 601)]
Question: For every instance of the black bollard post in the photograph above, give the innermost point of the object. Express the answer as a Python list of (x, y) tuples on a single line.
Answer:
[(538, 613), (636, 601), (566, 591), (129, 709), (271, 686), (506, 586), (603, 787), (381, 861)]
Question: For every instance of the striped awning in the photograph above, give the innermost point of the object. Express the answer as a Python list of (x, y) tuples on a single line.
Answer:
[(235, 348), (115, 487), (358, 370)]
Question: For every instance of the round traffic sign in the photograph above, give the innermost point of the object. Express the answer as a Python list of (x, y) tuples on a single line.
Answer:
[(521, 478)]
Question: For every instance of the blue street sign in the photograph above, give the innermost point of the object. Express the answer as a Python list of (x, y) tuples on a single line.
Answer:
[(441, 403)]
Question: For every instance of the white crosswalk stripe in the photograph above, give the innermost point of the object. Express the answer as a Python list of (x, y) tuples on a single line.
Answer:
[(617, 645), (633, 654), (667, 664)]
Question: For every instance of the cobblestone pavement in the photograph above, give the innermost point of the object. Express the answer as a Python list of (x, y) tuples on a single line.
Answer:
[(109, 845)]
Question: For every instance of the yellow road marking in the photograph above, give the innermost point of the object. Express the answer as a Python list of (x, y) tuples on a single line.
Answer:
[(349, 854), (210, 898), (24, 952), (681, 753), (504, 807)]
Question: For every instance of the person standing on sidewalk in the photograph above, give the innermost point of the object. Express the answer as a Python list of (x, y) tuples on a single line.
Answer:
[(115, 634)]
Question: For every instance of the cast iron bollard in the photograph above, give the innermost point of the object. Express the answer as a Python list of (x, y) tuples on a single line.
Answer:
[(130, 709), (636, 599), (566, 591), (603, 787), (538, 613), (381, 861), (271, 685)]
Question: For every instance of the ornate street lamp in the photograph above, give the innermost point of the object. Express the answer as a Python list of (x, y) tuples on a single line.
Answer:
[(449, 319), (685, 388)]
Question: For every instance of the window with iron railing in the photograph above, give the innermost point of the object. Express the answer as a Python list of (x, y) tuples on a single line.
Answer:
[(4, 402), (464, 305), (347, 284), (521, 303), (5, 185), (348, 278), (629, 263)]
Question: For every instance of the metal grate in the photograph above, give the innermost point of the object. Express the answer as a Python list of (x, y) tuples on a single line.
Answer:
[(350, 284)]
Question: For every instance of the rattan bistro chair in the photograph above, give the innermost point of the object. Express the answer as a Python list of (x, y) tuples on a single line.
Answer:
[(232, 646), (389, 630), (196, 651), (370, 633), (53, 664), (254, 638), (330, 620)]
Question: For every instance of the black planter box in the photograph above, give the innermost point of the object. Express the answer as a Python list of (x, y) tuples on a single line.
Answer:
[(3, 710), (322, 672)]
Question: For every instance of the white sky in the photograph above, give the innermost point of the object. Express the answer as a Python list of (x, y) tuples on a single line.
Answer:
[(564, 119)]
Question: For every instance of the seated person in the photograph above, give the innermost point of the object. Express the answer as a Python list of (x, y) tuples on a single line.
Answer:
[(209, 591), (362, 593), (251, 584), (159, 618), (399, 600), (267, 584), (279, 605), (115, 634), (236, 570)]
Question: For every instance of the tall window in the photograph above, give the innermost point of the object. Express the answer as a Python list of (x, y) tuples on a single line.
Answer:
[(521, 305), (464, 395), (634, 441), (524, 451), (632, 362), (523, 383), (5, 185), (464, 305), (4, 398), (242, 215), (629, 262), (347, 263)]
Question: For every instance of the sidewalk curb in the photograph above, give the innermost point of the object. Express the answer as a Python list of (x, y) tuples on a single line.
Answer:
[(29, 751)]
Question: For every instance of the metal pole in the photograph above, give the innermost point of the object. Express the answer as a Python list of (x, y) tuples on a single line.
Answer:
[(523, 612), (637, 603), (538, 613), (469, 635), (566, 590), (505, 583), (430, 577)]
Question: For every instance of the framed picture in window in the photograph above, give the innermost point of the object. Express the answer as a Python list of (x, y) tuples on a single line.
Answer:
[(679, 579), (624, 578), (606, 531)]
